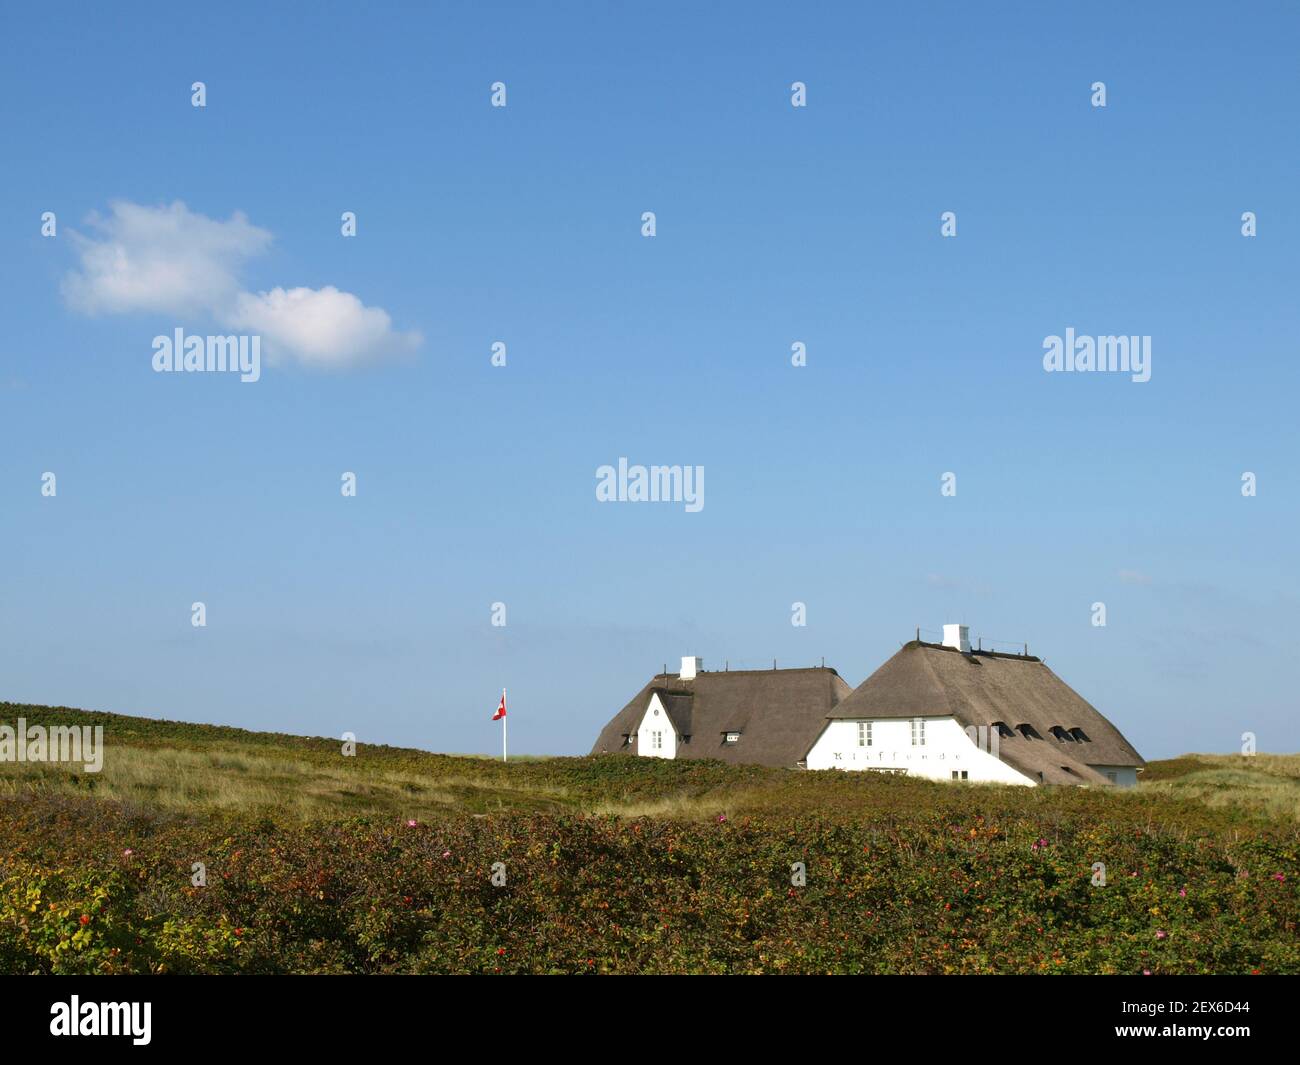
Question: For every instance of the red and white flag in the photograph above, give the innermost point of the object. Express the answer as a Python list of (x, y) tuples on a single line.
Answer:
[(500, 715)]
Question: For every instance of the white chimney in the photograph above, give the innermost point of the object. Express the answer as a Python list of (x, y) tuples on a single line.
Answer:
[(957, 636), (690, 666)]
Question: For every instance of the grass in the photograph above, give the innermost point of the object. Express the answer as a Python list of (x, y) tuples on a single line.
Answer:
[(1267, 783), (227, 777), (379, 862), (180, 767)]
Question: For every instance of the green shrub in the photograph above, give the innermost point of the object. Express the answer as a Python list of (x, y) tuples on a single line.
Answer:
[(974, 886)]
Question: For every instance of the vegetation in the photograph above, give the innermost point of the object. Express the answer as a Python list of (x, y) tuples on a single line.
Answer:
[(383, 862)]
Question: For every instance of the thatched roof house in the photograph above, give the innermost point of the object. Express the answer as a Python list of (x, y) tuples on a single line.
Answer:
[(942, 711), (1011, 708), (763, 716)]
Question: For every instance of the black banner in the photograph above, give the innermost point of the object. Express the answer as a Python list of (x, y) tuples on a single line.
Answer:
[(150, 1014)]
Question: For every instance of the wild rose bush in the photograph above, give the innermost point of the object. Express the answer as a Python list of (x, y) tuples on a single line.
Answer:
[(977, 881)]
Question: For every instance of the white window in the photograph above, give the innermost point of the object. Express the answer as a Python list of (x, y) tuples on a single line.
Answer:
[(864, 733), (962, 775), (657, 740), (918, 732), (732, 737), (1112, 776)]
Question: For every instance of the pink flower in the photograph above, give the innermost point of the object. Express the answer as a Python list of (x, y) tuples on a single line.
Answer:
[(446, 854), (127, 853), (1182, 893), (722, 818), (1146, 972), (1161, 933), (410, 824), (1279, 877)]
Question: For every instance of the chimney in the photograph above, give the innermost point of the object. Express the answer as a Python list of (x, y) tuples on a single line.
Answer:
[(957, 636), (690, 666)]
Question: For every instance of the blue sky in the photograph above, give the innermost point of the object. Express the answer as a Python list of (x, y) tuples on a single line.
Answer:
[(522, 224)]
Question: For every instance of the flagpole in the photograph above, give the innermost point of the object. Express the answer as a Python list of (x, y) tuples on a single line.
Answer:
[(504, 719)]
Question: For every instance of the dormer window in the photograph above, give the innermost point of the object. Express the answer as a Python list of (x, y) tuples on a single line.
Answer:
[(1004, 730), (1028, 731), (1062, 735), (1080, 735), (731, 737)]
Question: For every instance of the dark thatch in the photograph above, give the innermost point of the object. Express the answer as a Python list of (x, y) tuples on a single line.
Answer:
[(778, 713), (984, 688)]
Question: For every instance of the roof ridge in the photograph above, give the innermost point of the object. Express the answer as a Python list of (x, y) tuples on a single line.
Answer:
[(981, 652), (735, 672)]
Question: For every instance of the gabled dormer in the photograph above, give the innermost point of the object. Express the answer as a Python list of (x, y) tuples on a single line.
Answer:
[(657, 736)]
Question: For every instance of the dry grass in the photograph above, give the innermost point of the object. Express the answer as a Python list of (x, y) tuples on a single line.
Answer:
[(227, 778), (1267, 783), (681, 807), (176, 767)]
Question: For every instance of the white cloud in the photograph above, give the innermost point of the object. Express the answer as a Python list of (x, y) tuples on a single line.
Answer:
[(171, 260), (320, 326), (163, 259)]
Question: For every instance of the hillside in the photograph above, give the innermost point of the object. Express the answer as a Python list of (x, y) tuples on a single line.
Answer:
[(382, 862)]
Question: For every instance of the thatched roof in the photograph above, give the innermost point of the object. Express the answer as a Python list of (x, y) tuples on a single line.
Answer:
[(983, 688), (778, 713)]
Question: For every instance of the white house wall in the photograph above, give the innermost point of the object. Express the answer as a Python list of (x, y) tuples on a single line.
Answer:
[(656, 720), (1126, 776), (947, 749)]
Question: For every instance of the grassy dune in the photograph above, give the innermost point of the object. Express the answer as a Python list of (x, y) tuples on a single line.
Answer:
[(1268, 783), (381, 862), (194, 768), (233, 778)]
